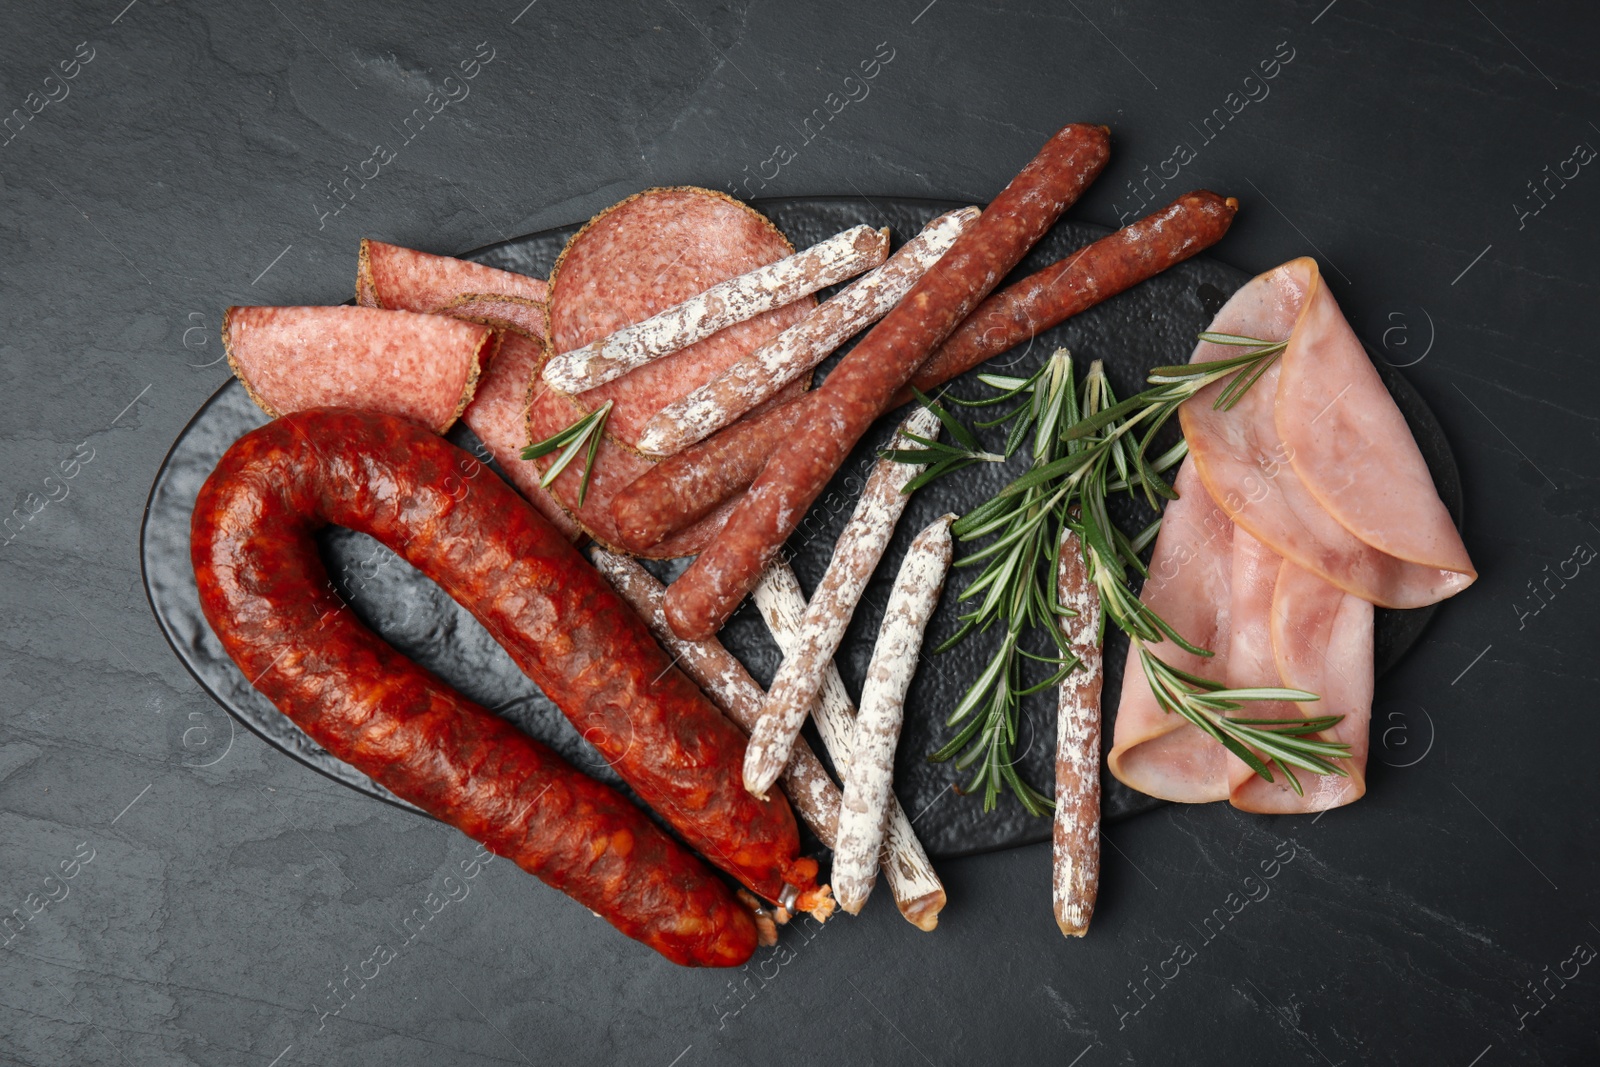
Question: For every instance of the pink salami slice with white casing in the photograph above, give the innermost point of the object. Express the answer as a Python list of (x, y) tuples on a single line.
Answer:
[(1321, 642), (1154, 751), (420, 367), (1246, 466), (389, 276), (639, 257), (1351, 446)]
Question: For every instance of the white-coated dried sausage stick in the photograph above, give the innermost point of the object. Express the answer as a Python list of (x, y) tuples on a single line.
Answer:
[(723, 678), (1076, 837), (842, 256), (869, 781), (918, 893), (855, 557), (759, 376)]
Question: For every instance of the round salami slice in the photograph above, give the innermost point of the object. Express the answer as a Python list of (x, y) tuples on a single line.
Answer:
[(496, 415), (615, 468), (637, 258), (404, 279), (420, 367)]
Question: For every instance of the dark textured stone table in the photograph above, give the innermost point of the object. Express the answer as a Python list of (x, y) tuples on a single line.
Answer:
[(182, 894)]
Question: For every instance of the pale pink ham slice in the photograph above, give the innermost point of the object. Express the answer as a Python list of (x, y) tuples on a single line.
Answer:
[(1283, 615), (1154, 751), (1250, 660), (1351, 446), (1322, 643), (498, 415), (1246, 467), (403, 279), (420, 367)]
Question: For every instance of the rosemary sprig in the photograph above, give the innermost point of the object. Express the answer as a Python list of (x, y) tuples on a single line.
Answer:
[(582, 436), (1087, 446), (1285, 743)]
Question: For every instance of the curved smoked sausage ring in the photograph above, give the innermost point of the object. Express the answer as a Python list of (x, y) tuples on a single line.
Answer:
[(267, 595)]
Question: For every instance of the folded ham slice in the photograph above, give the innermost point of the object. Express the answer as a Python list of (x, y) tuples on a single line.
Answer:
[(1154, 751), (1322, 643), (1399, 548), (1290, 628), (1352, 448)]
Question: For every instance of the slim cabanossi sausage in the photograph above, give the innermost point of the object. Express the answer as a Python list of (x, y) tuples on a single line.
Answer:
[(862, 386), (1075, 837), (266, 594), (856, 554), (865, 809), (687, 487), (1096, 272), (918, 893)]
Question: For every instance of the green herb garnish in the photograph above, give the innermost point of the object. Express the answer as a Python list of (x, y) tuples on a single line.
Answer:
[(585, 433), (1087, 446)]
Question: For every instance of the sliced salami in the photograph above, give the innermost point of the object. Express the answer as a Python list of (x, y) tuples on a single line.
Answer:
[(496, 415), (650, 252), (644, 255), (800, 348), (403, 279), (419, 367), (502, 312), (825, 263), (615, 468)]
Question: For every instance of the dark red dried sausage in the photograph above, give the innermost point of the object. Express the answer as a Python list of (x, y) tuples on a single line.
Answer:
[(265, 592), (860, 387), (684, 488)]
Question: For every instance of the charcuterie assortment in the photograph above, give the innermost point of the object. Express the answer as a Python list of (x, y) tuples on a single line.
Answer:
[(652, 399)]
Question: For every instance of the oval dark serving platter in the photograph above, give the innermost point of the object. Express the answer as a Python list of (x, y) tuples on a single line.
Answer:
[(1153, 324)]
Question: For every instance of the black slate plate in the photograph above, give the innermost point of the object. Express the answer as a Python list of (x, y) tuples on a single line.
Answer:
[(1152, 325)]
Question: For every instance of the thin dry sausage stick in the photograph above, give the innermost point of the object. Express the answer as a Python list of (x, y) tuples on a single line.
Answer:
[(918, 893), (860, 546), (869, 783), (864, 383), (267, 595), (1076, 835), (685, 488), (802, 346), (725, 680), (844, 255), (1049, 297)]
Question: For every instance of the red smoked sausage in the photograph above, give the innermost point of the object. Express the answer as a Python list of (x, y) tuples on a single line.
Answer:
[(686, 487), (861, 386), (267, 596)]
